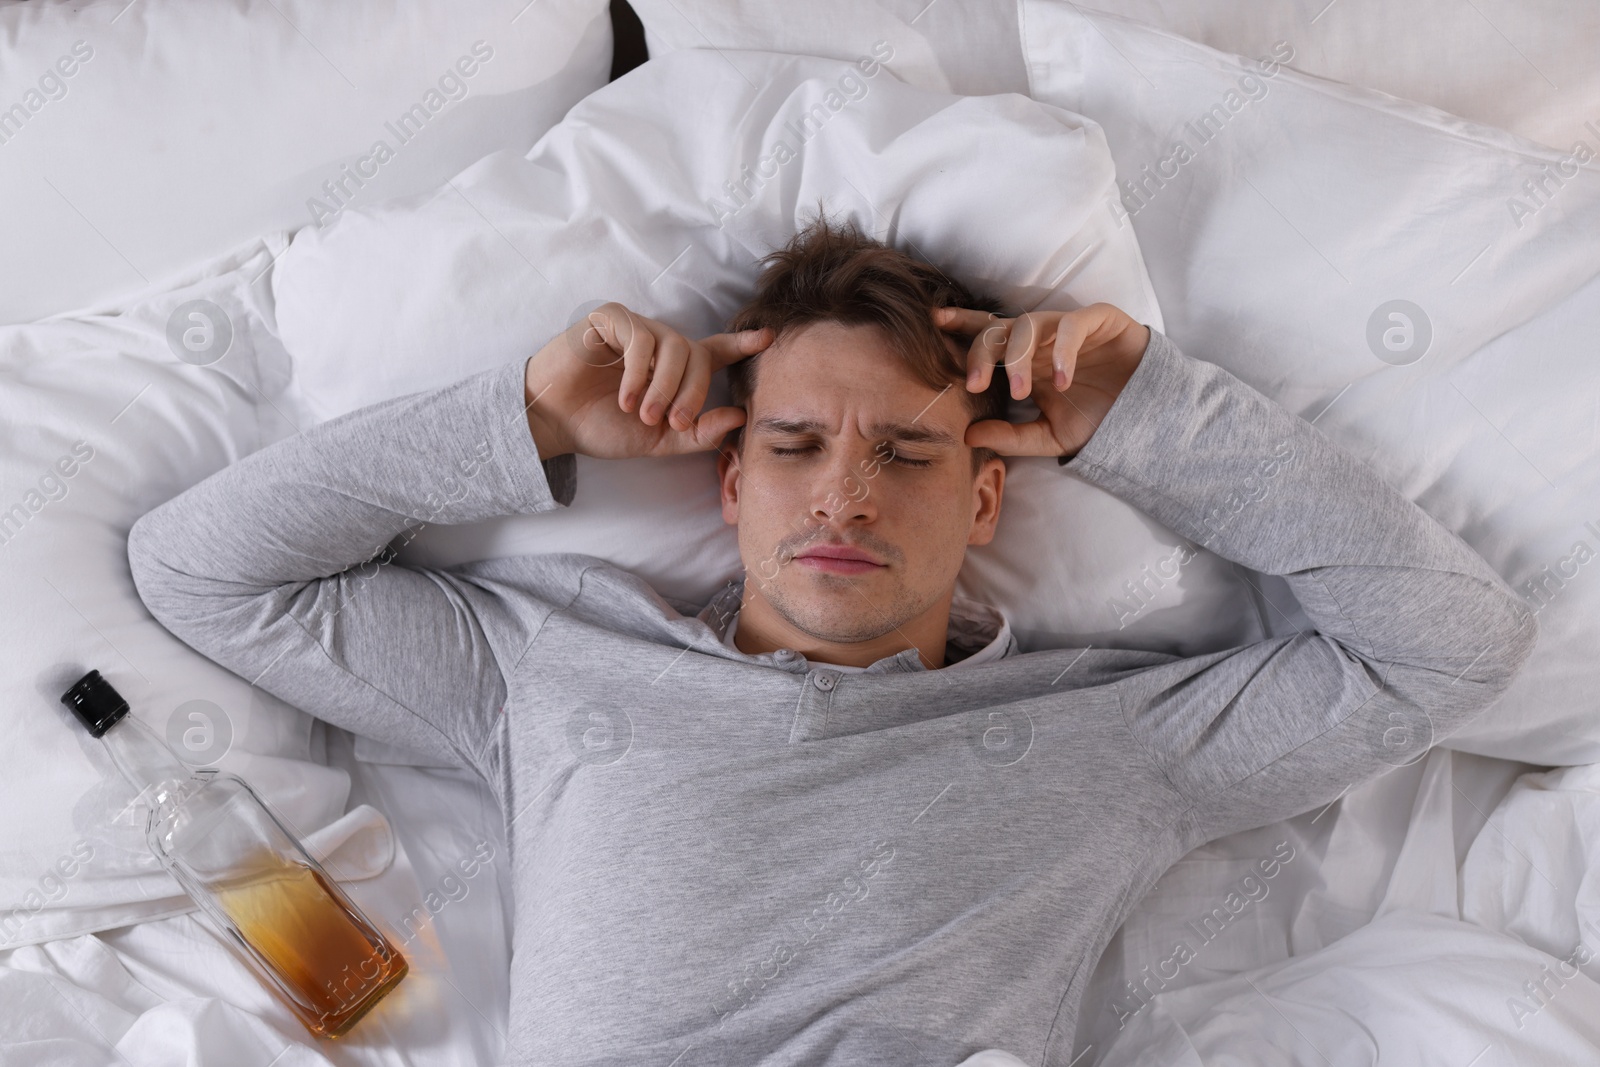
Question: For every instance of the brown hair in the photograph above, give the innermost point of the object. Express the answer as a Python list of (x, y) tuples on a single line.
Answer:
[(836, 273)]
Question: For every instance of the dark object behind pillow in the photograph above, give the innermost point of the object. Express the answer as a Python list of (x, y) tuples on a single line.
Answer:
[(628, 32)]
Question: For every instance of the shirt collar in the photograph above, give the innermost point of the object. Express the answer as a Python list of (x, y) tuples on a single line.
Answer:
[(978, 633)]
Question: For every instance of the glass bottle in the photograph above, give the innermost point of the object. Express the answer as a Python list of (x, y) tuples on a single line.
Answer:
[(304, 938)]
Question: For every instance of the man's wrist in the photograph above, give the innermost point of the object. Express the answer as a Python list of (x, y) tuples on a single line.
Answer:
[(1138, 345), (547, 435), (549, 443), (1133, 352)]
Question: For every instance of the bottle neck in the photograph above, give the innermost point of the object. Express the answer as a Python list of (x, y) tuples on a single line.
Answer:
[(146, 761)]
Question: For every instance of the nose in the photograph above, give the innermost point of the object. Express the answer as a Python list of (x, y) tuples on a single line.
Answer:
[(842, 493)]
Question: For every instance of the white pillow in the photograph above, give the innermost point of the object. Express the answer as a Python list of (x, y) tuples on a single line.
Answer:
[(1533, 74), (954, 46), (1280, 247), (623, 201), (103, 417), (1536, 386), (138, 139)]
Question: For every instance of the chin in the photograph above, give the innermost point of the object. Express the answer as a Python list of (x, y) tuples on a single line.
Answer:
[(840, 621)]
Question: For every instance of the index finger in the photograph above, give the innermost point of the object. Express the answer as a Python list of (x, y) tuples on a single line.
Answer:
[(729, 348)]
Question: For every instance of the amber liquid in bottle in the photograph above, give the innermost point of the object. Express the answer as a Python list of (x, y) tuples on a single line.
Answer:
[(287, 914)]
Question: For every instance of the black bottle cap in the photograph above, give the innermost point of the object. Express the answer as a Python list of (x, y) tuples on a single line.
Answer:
[(96, 704)]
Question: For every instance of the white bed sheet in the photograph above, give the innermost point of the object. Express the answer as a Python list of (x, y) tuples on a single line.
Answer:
[(1394, 849), (1485, 954), (167, 991)]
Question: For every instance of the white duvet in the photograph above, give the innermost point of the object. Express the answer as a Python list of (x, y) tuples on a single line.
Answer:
[(1497, 965), (1444, 914)]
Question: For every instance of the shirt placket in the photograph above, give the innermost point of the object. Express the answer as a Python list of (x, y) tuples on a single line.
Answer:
[(817, 691)]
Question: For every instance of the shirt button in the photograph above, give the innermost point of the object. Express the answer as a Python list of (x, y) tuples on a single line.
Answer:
[(784, 654), (822, 681)]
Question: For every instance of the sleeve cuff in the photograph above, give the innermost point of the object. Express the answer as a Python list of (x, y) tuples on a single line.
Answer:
[(561, 476), (541, 483)]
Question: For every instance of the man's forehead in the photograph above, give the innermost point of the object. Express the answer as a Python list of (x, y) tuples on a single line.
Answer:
[(806, 395), (825, 331), (882, 428)]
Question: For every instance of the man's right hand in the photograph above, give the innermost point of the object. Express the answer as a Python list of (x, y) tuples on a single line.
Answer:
[(602, 388)]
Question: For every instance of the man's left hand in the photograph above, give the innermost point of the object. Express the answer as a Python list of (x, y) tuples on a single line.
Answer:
[(1085, 356)]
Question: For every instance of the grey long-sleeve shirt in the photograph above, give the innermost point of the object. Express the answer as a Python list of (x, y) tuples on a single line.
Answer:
[(721, 858)]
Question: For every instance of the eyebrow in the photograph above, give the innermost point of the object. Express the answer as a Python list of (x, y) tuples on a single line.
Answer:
[(888, 430)]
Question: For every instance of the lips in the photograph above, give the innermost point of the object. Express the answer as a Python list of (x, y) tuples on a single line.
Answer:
[(837, 559), (844, 552)]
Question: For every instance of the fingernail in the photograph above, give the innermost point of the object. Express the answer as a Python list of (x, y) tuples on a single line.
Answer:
[(1016, 383)]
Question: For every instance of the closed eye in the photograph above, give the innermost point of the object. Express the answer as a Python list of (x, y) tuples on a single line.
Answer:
[(904, 461)]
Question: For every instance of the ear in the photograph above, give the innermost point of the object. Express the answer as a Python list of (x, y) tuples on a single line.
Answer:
[(728, 475), (988, 487)]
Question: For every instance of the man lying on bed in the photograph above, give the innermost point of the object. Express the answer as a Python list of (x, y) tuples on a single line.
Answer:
[(834, 816)]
